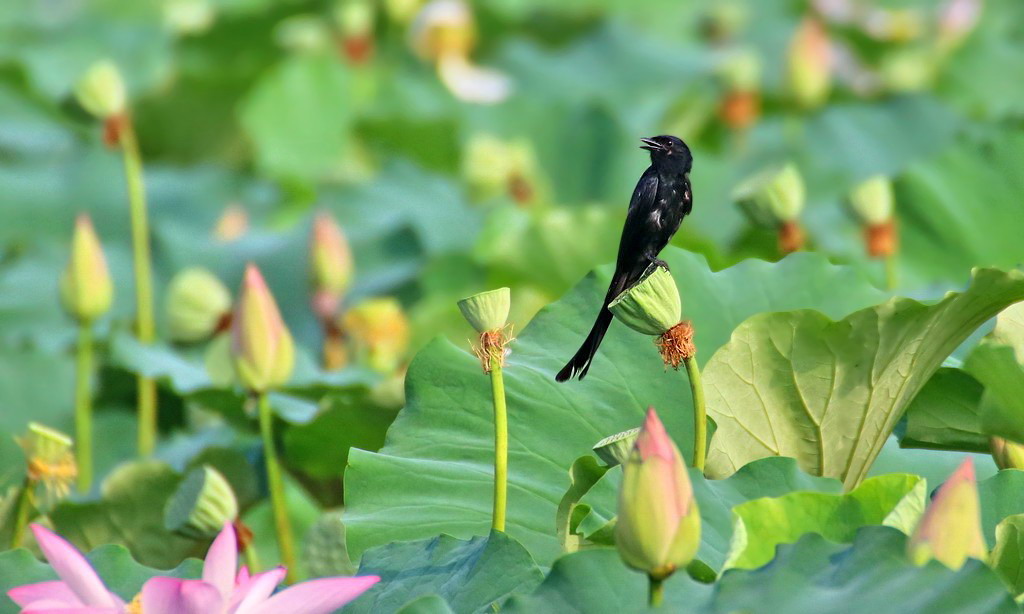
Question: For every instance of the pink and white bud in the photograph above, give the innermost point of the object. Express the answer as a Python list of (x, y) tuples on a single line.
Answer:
[(950, 530), (262, 347)]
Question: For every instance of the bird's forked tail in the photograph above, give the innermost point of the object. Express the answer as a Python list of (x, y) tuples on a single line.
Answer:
[(580, 363)]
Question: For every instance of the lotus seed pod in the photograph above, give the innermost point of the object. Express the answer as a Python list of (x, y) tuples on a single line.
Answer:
[(809, 63), (380, 331), (260, 342), (331, 264), (1007, 454), (219, 363), (950, 529), (652, 305), (203, 503), (658, 528), (86, 290), (773, 196), (44, 444), (101, 90), (197, 304), (354, 17), (873, 200), (487, 311), (615, 449)]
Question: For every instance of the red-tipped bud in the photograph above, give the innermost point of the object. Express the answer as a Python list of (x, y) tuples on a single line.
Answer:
[(330, 264), (261, 345), (950, 530), (809, 64)]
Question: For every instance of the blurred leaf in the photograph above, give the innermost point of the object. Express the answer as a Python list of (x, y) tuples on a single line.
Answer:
[(302, 512), (321, 447), (325, 553), (1008, 555), (945, 414)]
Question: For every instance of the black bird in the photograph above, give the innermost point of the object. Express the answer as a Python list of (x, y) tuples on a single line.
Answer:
[(660, 200)]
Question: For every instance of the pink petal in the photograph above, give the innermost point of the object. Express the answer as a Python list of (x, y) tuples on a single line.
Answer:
[(256, 590), (321, 596), (55, 591), (73, 569), (221, 561), (175, 596), (243, 576), (59, 608)]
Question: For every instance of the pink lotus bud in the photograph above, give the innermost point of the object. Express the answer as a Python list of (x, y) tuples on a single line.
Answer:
[(957, 18), (809, 64), (262, 347), (86, 290), (658, 529), (950, 530), (330, 262)]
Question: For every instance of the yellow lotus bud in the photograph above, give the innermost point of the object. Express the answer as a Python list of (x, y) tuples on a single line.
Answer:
[(1007, 454), (197, 305), (203, 503), (260, 342), (380, 331), (86, 290), (873, 200), (615, 449), (950, 529), (652, 305), (330, 263), (487, 311), (101, 90), (658, 528), (809, 64), (776, 195)]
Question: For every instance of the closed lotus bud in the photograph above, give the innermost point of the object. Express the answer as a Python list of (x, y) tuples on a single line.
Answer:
[(86, 290), (1007, 454), (652, 305), (773, 196), (809, 64), (658, 528), (198, 304), (950, 529), (873, 200), (260, 342), (330, 263), (615, 449), (487, 311), (203, 503), (380, 330), (101, 90)]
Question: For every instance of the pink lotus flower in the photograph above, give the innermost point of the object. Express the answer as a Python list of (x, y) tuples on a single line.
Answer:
[(220, 591)]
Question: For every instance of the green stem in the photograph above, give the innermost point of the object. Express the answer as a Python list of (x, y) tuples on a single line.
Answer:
[(500, 446), (891, 272), (276, 484), (700, 421), (656, 592), (252, 560), (83, 406), (146, 328), (25, 498)]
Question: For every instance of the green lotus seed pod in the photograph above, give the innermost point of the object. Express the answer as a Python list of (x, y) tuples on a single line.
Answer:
[(44, 444), (487, 311), (101, 90), (86, 290), (772, 196), (203, 503), (873, 200), (196, 305), (615, 449), (326, 553), (652, 305)]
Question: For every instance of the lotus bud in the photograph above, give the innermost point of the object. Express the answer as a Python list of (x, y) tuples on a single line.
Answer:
[(380, 331), (86, 290), (658, 528), (260, 342), (330, 260), (615, 449), (203, 503), (101, 90), (198, 305), (1007, 454), (950, 529), (189, 16), (652, 305), (809, 64), (443, 28), (49, 457)]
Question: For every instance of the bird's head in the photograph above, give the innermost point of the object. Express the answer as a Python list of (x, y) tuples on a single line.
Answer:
[(668, 152)]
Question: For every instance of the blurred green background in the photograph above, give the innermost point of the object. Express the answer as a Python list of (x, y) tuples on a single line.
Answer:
[(463, 146)]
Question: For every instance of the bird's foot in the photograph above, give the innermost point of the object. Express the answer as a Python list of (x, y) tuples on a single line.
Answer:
[(658, 262)]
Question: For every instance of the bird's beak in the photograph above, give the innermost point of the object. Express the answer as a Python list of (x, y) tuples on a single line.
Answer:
[(651, 145)]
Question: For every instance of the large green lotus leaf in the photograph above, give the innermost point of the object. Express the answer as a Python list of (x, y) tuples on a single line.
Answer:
[(945, 415), (775, 476), (811, 576), (829, 393), (114, 564), (473, 575), (1000, 498), (1008, 554), (427, 604), (434, 473), (941, 232), (131, 513), (762, 524)]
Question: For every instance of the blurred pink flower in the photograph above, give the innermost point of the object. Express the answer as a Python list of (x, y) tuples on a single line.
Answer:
[(220, 591)]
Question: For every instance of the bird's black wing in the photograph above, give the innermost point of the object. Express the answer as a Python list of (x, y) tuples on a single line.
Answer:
[(640, 206)]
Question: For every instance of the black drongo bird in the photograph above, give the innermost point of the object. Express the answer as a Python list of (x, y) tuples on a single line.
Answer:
[(660, 200)]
